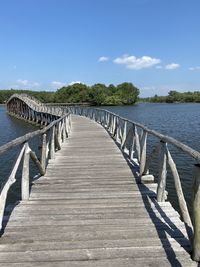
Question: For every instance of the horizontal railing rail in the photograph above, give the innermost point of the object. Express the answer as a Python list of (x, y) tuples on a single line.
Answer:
[(52, 138), (132, 138)]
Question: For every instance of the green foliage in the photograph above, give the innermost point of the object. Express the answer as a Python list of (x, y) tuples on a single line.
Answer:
[(127, 93), (98, 94), (76, 93), (175, 97)]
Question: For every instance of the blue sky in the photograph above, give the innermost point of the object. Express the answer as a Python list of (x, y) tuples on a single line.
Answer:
[(154, 44)]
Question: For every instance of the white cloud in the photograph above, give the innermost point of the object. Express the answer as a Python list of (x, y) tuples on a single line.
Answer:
[(57, 84), (103, 59), (131, 62), (27, 83), (73, 82), (194, 68), (172, 66)]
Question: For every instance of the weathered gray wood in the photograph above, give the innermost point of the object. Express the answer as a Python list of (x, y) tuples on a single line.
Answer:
[(137, 143), (57, 138), (193, 153), (181, 199), (143, 152), (25, 174), (6, 186), (162, 173), (37, 162), (64, 136), (132, 146), (21, 140), (89, 207), (59, 135), (124, 133), (196, 213), (52, 144), (89, 170), (125, 139), (150, 158), (44, 151)]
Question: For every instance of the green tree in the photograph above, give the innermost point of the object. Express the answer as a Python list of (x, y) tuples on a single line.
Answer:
[(128, 93)]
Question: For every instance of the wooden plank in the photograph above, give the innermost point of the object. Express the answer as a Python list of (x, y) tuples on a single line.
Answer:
[(89, 210)]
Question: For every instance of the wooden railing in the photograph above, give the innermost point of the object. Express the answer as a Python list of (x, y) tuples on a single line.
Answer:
[(52, 138), (36, 105), (132, 138)]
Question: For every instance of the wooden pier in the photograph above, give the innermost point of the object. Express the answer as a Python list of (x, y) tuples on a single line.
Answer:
[(90, 206)]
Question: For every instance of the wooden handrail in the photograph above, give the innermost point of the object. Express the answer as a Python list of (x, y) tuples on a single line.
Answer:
[(26, 153), (22, 139), (120, 129), (131, 136)]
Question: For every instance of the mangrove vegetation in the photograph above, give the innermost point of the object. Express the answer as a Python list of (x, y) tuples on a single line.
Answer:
[(97, 94), (175, 97)]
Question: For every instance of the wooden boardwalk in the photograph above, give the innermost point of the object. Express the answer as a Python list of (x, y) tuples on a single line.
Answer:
[(89, 210)]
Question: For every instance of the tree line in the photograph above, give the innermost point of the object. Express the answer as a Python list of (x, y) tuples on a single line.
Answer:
[(97, 94), (175, 97)]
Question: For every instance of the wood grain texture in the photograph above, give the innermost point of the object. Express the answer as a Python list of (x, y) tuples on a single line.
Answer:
[(89, 210)]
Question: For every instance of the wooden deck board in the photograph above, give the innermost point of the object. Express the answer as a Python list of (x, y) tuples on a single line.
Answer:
[(89, 210)]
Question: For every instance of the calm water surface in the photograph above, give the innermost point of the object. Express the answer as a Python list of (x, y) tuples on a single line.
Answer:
[(181, 121)]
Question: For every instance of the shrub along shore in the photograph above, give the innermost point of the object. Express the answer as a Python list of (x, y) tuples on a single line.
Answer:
[(98, 94), (174, 97)]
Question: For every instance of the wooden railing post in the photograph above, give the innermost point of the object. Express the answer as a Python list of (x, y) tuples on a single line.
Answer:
[(60, 132), (143, 152), (137, 143), (111, 123), (162, 173), (67, 126), (108, 121), (124, 134), (64, 130), (181, 199), (105, 119), (43, 154), (117, 129), (37, 162), (131, 149), (25, 174), (196, 213), (52, 144), (69, 123), (6, 185)]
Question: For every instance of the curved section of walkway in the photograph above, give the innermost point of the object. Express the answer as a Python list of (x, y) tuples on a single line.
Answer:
[(34, 104), (88, 210)]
